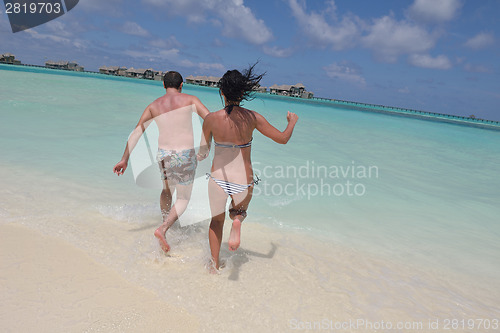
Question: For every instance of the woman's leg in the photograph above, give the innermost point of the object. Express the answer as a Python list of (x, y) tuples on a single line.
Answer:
[(218, 199), (237, 213)]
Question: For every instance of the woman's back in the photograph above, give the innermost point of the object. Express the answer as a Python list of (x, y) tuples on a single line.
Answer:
[(232, 134), (235, 128)]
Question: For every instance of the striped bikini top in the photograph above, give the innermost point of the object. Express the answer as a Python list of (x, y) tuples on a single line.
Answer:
[(248, 144)]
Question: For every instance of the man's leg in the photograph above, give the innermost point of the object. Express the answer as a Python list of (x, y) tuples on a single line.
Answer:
[(180, 205), (166, 199), (166, 207)]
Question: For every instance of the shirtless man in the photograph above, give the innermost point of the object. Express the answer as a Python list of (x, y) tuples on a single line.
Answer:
[(176, 155)]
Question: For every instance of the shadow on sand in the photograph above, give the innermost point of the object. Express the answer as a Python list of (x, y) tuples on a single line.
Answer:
[(241, 256), (238, 258)]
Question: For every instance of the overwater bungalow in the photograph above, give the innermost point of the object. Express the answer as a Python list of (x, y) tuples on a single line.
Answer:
[(66, 65), (112, 70), (159, 76), (150, 74), (208, 81), (296, 90), (9, 58), (136, 73)]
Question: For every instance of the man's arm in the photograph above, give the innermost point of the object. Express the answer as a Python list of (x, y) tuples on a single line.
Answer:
[(143, 123), (206, 138), (200, 108)]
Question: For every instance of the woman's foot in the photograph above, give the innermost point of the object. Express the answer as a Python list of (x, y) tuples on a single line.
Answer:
[(160, 234), (212, 268), (234, 237)]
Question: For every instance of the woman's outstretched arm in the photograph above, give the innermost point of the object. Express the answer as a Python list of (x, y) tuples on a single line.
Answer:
[(272, 132)]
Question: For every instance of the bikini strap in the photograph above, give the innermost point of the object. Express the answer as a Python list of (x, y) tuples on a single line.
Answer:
[(245, 145)]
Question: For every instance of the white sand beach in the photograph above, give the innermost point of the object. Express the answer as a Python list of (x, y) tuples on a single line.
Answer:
[(78, 253), (47, 285)]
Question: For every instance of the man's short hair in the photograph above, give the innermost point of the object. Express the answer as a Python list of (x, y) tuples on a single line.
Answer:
[(172, 79)]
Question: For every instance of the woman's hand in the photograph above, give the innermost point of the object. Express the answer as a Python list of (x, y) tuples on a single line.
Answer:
[(120, 167), (202, 153), (292, 118), (200, 157)]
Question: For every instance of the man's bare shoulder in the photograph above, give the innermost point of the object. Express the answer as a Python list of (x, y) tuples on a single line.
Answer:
[(187, 96), (182, 100), (154, 105), (158, 101)]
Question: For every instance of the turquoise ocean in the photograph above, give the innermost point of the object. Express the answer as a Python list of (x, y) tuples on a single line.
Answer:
[(362, 215)]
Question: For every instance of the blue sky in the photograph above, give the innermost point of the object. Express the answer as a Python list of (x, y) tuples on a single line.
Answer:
[(433, 55)]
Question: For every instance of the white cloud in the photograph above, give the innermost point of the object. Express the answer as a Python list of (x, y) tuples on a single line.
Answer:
[(166, 43), (217, 42), (174, 57), (77, 43), (58, 28), (340, 35), (106, 8), (426, 61), (404, 90), (239, 20), (476, 68), (58, 39), (389, 39), (236, 19), (435, 10), (134, 29), (277, 51), (153, 55), (207, 66), (186, 63), (80, 44), (193, 10), (203, 66), (345, 72), (480, 41)]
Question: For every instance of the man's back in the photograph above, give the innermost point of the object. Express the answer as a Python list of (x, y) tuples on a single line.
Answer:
[(173, 116)]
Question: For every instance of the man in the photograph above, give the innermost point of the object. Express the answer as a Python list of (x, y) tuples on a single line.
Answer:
[(176, 156)]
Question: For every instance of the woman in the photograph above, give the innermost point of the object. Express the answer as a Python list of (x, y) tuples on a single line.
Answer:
[(232, 174)]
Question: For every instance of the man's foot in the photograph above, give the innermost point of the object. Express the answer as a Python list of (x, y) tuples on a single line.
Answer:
[(161, 239), (234, 237)]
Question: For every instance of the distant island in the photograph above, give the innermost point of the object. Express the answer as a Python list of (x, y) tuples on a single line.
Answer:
[(295, 91), (292, 90)]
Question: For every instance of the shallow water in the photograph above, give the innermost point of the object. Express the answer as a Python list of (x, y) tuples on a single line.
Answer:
[(415, 239)]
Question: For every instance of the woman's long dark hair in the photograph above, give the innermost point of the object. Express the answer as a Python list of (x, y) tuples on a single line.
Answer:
[(238, 86)]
